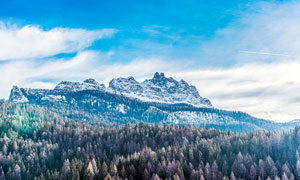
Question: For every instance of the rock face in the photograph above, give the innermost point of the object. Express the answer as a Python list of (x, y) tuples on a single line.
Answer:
[(21, 95), (158, 100), (159, 89), (88, 84), (17, 95)]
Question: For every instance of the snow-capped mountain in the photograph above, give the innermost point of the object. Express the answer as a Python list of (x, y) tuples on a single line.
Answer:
[(158, 100), (19, 95), (88, 84), (159, 89)]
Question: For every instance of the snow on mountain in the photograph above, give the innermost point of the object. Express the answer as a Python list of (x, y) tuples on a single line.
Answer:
[(17, 95), (89, 84), (20, 95), (129, 101), (159, 89)]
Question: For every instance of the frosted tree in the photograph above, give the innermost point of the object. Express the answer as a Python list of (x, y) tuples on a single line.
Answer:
[(108, 177), (292, 177), (2, 176), (214, 169), (113, 169), (155, 177), (298, 168), (94, 165), (297, 155), (275, 138), (66, 169), (286, 170), (240, 158), (171, 169), (4, 149), (207, 171), (202, 177), (146, 174), (123, 172), (89, 172), (269, 163), (176, 177), (195, 175), (232, 176), (274, 172), (104, 170), (14, 173), (284, 176), (261, 168), (277, 178), (252, 174), (17, 172)]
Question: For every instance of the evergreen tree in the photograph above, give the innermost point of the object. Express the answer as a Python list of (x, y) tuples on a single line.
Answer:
[(232, 176)]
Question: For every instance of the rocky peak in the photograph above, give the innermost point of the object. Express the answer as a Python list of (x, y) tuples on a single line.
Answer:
[(127, 85), (16, 91), (17, 96), (160, 79), (91, 81), (158, 76), (159, 89), (88, 84)]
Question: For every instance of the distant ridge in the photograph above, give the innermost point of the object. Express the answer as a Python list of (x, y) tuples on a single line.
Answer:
[(158, 100)]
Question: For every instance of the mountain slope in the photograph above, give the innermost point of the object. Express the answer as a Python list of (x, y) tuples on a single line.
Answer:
[(91, 101)]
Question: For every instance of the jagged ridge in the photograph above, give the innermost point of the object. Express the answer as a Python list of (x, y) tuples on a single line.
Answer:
[(159, 89)]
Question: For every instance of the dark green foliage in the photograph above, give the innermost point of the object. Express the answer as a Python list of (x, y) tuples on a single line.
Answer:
[(62, 148)]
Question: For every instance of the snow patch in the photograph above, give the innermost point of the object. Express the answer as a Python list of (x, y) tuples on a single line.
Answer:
[(89, 84), (121, 108), (21, 99), (54, 98)]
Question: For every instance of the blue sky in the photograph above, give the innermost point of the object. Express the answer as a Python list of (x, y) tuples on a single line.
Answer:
[(242, 55), (172, 29)]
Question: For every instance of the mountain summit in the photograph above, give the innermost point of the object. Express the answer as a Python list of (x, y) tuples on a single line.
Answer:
[(88, 84), (159, 89)]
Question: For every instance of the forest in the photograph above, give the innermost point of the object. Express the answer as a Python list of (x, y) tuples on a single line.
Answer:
[(36, 143)]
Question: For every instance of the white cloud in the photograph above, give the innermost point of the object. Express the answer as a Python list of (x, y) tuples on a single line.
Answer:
[(265, 90), (34, 42), (29, 72)]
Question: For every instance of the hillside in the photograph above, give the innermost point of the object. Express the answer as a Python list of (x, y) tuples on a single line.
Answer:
[(91, 101), (60, 148)]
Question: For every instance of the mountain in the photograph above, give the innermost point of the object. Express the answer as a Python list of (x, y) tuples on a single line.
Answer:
[(158, 100), (159, 89)]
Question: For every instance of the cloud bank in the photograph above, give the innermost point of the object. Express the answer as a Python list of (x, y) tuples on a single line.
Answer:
[(265, 90)]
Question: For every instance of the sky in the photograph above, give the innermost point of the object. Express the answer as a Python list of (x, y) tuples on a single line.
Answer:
[(242, 55)]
